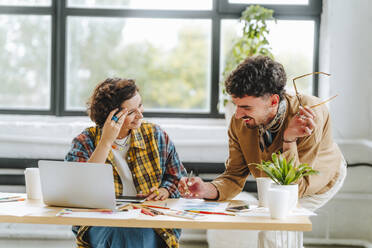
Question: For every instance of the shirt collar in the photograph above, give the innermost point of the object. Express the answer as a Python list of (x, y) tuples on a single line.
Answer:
[(137, 139)]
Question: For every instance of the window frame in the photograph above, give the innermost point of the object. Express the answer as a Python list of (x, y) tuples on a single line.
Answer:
[(221, 9)]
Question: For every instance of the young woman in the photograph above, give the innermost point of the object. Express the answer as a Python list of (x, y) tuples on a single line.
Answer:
[(144, 160)]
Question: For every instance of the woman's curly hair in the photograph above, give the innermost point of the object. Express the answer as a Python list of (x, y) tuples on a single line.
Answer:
[(108, 95), (257, 76)]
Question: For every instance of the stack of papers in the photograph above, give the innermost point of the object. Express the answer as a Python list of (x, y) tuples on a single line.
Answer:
[(265, 212), (198, 205), (130, 214)]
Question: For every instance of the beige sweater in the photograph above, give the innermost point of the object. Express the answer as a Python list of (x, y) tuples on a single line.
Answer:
[(317, 150)]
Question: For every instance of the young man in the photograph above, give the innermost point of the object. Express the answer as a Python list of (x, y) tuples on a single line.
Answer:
[(269, 120)]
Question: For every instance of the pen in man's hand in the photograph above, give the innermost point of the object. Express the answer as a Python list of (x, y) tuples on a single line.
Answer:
[(189, 177)]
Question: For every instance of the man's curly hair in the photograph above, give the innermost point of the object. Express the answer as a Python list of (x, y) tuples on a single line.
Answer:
[(108, 95), (257, 76)]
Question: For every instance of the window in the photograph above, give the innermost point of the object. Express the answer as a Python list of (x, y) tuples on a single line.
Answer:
[(25, 70), (54, 52), (292, 43), (144, 4), (170, 60), (25, 2), (277, 2)]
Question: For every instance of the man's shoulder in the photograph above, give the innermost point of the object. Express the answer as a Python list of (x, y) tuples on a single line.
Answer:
[(321, 112), (310, 100), (307, 100)]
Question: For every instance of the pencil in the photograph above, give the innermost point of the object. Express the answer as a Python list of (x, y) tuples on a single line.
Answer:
[(10, 197), (101, 210), (12, 200), (69, 210), (152, 206), (157, 192), (325, 101), (208, 212), (153, 211), (145, 210)]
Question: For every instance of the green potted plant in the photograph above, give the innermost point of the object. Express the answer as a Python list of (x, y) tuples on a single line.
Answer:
[(285, 174), (252, 42)]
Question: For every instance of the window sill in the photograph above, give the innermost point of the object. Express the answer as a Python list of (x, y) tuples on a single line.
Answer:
[(50, 136)]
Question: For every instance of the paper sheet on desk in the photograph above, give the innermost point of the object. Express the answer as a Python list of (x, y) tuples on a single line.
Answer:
[(266, 213), (3, 195), (131, 214), (18, 208), (198, 205), (10, 209)]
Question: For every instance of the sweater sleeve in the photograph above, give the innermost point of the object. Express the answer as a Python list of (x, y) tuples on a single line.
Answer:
[(318, 151), (232, 181), (81, 149)]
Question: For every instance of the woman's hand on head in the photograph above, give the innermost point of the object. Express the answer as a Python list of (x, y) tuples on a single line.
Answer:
[(111, 128)]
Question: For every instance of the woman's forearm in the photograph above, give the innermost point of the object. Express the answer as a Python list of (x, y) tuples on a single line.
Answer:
[(100, 153)]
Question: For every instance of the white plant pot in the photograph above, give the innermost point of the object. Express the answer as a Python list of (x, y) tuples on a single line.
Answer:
[(278, 203), (229, 112), (293, 194), (263, 186)]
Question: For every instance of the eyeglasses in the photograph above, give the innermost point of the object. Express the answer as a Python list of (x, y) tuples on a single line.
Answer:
[(298, 94)]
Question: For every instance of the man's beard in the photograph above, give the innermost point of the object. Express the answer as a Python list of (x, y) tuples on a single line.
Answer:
[(251, 126), (255, 125)]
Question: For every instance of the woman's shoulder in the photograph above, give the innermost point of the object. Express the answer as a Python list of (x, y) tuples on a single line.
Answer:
[(152, 129), (150, 126), (87, 134)]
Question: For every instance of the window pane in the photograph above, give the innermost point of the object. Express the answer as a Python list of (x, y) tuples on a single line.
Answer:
[(144, 4), (25, 43), (292, 45), (169, 58), (277, 2), (25, 2)]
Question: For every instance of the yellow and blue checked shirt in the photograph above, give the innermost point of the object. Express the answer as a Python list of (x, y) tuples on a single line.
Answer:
[(152, 159)]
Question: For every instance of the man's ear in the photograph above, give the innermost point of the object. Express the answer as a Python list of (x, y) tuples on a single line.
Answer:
[(274, 100)]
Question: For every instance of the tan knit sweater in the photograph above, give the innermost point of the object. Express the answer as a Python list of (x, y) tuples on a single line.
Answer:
[(317, 150)]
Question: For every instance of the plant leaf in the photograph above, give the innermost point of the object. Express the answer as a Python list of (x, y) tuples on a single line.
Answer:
[(290, 176), (283, 172)]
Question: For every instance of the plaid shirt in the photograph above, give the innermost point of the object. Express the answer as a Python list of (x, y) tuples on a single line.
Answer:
[(152, 159)]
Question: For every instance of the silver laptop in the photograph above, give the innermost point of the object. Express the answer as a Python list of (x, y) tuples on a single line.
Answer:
[(74, 184)]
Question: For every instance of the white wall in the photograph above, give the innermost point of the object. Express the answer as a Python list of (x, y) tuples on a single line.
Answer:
[(346, 52)]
